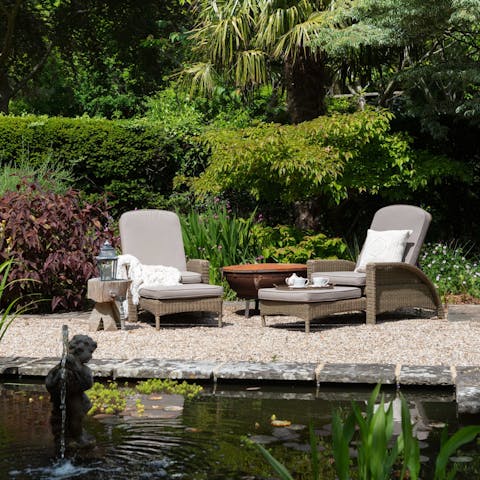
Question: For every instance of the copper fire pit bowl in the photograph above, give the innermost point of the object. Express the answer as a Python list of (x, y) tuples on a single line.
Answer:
[(246, 279)]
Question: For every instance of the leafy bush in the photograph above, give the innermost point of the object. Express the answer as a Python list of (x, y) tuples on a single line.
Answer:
[(330, 157), (52, 239), (107, 399), (156, 385), (175, 111), (111, 399), (287, 244), (450, 270), (134, 162)]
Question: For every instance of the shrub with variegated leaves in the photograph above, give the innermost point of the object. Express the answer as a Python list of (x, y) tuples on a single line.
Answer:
[(52, 239)]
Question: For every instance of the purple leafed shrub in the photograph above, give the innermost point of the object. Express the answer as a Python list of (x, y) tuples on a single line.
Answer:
[(52, 239)]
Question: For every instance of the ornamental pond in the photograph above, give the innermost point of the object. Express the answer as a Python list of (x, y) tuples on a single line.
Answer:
[(204, 438)]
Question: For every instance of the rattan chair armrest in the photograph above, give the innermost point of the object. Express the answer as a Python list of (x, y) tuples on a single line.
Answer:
[(200, 266), (336, 265), (394, 273), (390, 286)]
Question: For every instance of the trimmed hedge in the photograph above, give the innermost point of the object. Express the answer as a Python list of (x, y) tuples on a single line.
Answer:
[(133, 162)]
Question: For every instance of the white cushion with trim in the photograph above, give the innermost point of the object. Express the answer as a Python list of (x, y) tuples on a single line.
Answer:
[(382, 246)]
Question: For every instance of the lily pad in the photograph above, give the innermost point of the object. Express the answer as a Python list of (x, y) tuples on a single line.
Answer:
[(281, 423), (461, 459), (285, 434), (297, 427), (173, 408)]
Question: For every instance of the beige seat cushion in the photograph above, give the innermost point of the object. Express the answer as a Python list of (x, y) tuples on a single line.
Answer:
[(353, 279), (197, 290), (309, 295), (191, 277)]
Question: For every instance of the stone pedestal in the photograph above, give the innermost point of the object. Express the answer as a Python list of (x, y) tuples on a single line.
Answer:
[(105, 294)]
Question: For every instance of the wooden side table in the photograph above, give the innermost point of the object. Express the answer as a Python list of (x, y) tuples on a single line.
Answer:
[(105, 294)]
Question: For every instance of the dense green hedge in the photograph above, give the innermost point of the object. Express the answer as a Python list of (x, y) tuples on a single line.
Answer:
[(134, 162)]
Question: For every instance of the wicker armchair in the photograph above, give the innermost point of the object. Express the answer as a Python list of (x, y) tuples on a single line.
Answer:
[(389, 286), (382, 287), (155, 238)]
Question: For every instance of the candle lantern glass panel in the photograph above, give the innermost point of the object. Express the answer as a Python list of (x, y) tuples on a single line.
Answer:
[(107, 262)]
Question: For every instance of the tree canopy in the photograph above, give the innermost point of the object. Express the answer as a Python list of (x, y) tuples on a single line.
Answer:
[(72, 57), (250, 43), (97, 57), (429, 55)]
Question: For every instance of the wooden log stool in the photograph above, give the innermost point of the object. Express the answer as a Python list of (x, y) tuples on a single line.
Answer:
[(106, 293)]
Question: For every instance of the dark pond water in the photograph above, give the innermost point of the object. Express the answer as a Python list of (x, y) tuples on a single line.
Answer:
[(204, 440)]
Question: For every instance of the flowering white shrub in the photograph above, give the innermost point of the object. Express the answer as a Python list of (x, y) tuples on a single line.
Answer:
[(450, 270)]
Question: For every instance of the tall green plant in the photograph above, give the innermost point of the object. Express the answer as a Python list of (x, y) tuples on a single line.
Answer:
[(50, 174), (6, 317), (219, 236), (279, 468), (12, 309), (342, 433), (449, 446), (375, 456), (380, 456)]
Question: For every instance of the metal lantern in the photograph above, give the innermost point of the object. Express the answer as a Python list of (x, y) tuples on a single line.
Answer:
[(107, 262)]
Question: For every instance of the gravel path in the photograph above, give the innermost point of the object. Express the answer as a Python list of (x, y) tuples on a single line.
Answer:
[(412, 341)]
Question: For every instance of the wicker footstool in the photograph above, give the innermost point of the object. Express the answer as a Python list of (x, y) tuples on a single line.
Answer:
[(309, 303)]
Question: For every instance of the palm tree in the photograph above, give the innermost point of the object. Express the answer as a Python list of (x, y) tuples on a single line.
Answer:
[(249, 43)]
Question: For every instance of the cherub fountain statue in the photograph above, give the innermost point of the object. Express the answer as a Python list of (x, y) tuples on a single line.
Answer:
[(67, 383)]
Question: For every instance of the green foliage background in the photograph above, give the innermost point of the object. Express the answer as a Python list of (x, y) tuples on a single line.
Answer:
[(334, 157), (133, 162)]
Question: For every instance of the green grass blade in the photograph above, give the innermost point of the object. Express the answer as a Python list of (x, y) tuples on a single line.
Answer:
[(279, 468), (340, 445), (409, 444), (314, 460), (449, 447)]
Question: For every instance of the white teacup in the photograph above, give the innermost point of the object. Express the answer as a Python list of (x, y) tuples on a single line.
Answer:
[(299, 282), (320, 281)]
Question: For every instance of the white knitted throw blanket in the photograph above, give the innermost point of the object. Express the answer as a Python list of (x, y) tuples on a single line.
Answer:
[(145, 276)]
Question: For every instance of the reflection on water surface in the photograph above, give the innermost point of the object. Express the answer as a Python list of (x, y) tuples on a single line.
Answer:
[(205, 439)]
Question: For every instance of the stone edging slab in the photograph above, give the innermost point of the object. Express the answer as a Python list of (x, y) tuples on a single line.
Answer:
[(466, 380)]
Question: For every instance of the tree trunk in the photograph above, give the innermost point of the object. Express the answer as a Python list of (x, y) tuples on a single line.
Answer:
[(309, 214), (305, 80), (5, 93)]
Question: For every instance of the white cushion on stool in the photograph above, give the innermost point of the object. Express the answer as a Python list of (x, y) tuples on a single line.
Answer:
[(307, 295)]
